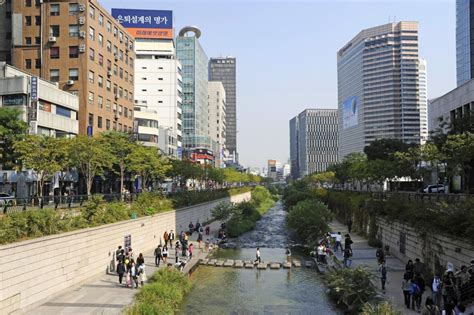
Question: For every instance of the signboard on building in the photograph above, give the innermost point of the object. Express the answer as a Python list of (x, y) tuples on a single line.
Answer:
[(350, 109), (14, 100), (156, 24), (34, 88)]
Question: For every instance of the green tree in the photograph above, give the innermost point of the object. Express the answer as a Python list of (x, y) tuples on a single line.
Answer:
[(147, 163), (384, 149), (12, 129), (309, 220), (91, 156), (357, 167), (223, 211), (40, 154), (459, 152)]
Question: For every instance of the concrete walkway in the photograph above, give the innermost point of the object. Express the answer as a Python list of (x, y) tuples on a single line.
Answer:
[(364, 255), (103, 294)]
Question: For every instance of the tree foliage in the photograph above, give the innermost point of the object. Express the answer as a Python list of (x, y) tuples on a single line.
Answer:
[(308, 218), (12, 129)]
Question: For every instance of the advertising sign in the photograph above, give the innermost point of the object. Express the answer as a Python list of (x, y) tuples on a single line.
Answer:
[(34, 88), (350, 109), (156, 24)]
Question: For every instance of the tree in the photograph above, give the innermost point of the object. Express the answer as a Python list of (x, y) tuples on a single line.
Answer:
[(121, 147), (223, 211), (384, 149), (309, 219), (91, 156), (357, 166), (147, 163), (184, 170), (12, 129), (459, 152), (40, 154)]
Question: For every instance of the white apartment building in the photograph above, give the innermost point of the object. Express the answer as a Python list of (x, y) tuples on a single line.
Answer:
[(146, 124), (54, 113), (158, 84), (217, 120)]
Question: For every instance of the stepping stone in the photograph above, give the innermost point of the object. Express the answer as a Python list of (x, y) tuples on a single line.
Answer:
[(262, 265), (239, 264), (204, 261), (220, 263), (212, 262), (309, 264), (275, 265), (249, 264), (296, 263), (229, 263), (287, 265)]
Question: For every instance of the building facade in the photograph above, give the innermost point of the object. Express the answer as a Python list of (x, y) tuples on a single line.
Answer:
[(225, 70), (82, 48), (379, 87), (146, 126), (217, 120), (464, 43), (313, 141), (195, 77), (54, 113)]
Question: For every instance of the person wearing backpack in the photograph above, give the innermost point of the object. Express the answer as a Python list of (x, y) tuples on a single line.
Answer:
[(418, 296), (158, 256), (414, 293), (406, 288)]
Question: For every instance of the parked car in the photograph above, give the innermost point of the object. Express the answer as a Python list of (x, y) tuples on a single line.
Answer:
[(6, 199), (440, 189)]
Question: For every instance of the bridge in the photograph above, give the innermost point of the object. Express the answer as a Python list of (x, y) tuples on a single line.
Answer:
[(247, 264)]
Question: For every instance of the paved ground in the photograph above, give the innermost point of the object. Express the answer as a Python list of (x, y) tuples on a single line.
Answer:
[(364, 255), (103, 294)]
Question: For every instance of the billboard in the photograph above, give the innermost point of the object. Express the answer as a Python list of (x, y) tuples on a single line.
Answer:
[(350, 109), (156, 24)]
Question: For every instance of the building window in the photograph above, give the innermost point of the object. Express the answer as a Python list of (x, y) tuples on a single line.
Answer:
[(28, 63), (121, 55), (63, 111), (91, 76), (37, 20), (100, 101), (74, 74), (37, 40), (54, 52), (73, 51), (27, 40), (115, 51), (73, 8), (28, 20), (54, 30), (91, 120), (121, 37), (107, 124), (27, 3), (107, 105), (99, 122), (108, 85), (101, 60), (91, 54), (121, 73), (109, 26), (73, 30), (115, 31), (38, 63), (54, 75), (100, 81), (90, 98), (92, 12), (115, 69), (54, 9), (91, 33), (115, 125), (125, 112), (109, 46), (101, 40)]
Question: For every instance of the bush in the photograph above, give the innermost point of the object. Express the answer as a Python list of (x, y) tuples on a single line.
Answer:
[(384, 308), (351, 288), (309, 219)]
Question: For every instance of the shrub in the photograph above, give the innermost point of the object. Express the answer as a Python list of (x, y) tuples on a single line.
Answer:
[(384, 308), (309, 219), (223, 211)]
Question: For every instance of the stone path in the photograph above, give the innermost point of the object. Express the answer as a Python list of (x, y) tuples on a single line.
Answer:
[(103, 294), (364, 255)]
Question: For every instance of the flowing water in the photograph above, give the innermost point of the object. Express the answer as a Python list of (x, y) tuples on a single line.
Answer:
[(219, 290)]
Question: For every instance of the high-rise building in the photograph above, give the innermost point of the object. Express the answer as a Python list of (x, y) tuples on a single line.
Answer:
[(195, 77), (464, 41), (423, 94), (82, 48), (379, 87), (224, 70), (217, 120), (313, 141)]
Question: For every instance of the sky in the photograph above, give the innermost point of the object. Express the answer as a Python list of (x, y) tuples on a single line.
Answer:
[(286, 54)]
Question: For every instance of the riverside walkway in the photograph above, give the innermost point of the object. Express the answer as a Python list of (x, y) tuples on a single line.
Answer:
[(364, 255), (103, 294)]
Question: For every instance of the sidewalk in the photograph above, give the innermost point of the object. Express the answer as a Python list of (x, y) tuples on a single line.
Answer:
[(364, 255), (103, 294)]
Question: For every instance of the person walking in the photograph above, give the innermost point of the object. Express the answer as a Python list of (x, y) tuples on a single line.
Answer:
[(436, 290), (338, 242), (164, 253), (120, 270), (347, 257), (348, 242), (199, 239), (140, 260), (349, 224), (258, 258), (418, 292), (198, 226), (158, 256), (191, 228), (208, 230), (134, 273), (380, 255), (165, 238), (288, 254), (171, 238), (383, 275), (190, 251), (406, 287), (142, 273), (176, 252)]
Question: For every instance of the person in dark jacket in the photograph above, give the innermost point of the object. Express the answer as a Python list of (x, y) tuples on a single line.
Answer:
[(158, 256), (418, 296), (120, 270), (140, 260)]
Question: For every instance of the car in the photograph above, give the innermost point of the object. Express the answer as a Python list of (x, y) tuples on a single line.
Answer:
[(440, 189), (6, 199)]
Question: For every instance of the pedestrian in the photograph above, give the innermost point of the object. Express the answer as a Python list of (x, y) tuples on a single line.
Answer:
[(322, 253), (140, 260), (418, 287), (171, 238), (206, 245), (120, 256), (409, 268), (176, 252), (199, 239), (258, 258), (436, 290), (158, 256), (288, 254), (120, 270), (191, 228), (165, 238), (128, 281), (208, 230), (134, 273), (142, 274), (117, 252), (406, 287), (348, 242), (181, 237), (190, 251), (349, 224), (164, 253), (338, 242), (448, 288), (380, 255), (198, 226), (347, 257), (418, 267), (383, 275)]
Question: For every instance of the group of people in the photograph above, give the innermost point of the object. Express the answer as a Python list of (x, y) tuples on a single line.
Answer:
[(331, 244), (133, 270)]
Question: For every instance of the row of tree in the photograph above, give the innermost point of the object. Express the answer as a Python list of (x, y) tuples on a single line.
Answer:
[(110, 151)]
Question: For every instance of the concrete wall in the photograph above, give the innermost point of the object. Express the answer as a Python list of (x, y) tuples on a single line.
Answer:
[(433, 249), (33, 270)]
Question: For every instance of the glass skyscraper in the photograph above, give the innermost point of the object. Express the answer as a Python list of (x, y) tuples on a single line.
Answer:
[(464, 44), (195, 77)]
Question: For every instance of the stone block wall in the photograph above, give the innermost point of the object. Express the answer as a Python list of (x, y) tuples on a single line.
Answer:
[(34, 270)]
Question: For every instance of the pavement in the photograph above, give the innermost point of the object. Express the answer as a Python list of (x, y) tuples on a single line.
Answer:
[(102, 294), (364, 255)]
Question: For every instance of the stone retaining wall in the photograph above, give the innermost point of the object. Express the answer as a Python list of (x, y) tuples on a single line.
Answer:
[(34, 270), (434, 249)]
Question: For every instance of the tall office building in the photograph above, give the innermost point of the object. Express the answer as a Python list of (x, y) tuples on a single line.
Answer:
[(195, 78), (464, 41), (217, 120), (379, 87), (224, 70), (82, 48), (423, 92), (313, 141)]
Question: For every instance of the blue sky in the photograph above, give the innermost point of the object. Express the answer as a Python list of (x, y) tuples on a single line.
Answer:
[(286, 54)]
